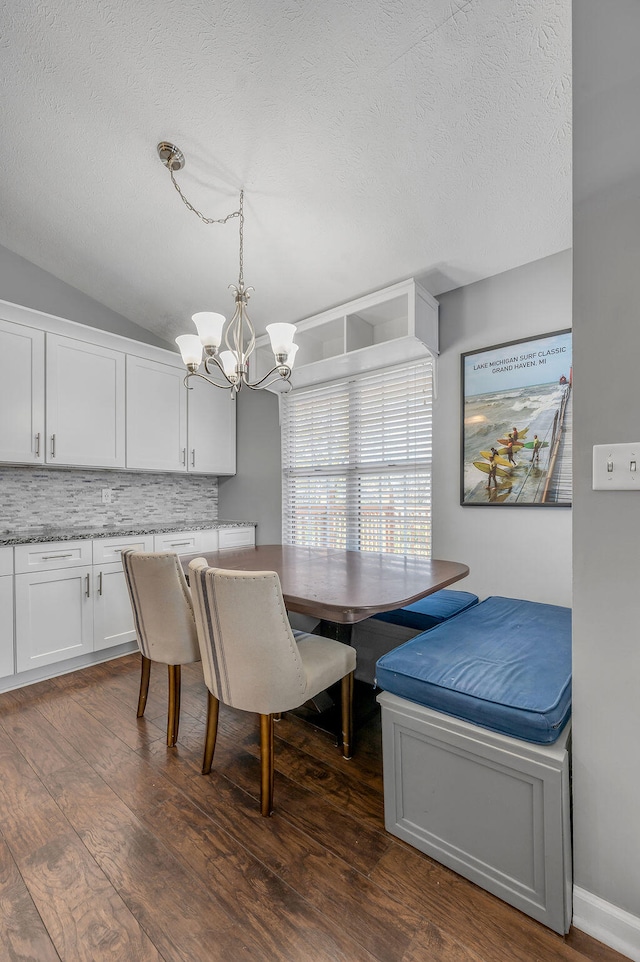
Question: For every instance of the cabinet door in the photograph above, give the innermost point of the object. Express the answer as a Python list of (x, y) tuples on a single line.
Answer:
[(54, 616), (112, 614), (85, 404), (21, 394), (212, 429), (156, 416), (207, 540), (6, 626)]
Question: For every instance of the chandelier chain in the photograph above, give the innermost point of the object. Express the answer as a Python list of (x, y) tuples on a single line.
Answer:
[(241, 215), (239, 336), (205, 220)]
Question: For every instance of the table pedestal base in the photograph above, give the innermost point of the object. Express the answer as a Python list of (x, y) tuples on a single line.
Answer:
[(336, 631)]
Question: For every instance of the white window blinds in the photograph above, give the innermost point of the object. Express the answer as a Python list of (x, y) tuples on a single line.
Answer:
[(356, 462)]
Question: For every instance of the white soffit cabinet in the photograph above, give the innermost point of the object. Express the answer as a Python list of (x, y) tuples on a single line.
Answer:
[(396, 324)]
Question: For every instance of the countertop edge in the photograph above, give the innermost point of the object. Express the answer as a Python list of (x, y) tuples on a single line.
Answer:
[(93, 534)]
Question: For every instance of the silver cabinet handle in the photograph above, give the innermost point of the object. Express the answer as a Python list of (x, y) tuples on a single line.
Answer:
[(37, 445), (184, 456), (88, 589), (99, 583), (193, 457), (178, 544), (51, 557), (53, 445)]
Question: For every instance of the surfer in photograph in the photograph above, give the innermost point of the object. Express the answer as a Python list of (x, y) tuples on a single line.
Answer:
[(535, 456), (514, 435), (510, 450), (493, 467)]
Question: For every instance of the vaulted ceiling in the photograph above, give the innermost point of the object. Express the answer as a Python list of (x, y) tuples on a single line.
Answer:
[(375, 140)]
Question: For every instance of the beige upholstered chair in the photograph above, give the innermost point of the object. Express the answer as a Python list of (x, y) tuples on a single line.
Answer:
[(164, 622), (251, 659)]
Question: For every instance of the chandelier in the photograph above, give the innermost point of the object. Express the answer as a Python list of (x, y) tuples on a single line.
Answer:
[(229, 368)]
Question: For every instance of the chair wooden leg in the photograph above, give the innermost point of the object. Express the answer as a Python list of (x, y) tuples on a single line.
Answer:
[(145, 671), (347, 714), (266, 764), (213, 707), (173, 719)]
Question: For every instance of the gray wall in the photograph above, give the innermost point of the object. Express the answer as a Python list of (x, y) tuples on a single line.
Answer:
[(516, 552), (21, 282), (606, 525), (255, 493)]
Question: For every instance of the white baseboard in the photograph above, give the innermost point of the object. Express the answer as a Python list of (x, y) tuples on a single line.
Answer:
[(606, 922)]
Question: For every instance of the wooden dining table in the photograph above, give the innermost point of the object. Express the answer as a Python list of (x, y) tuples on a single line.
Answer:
[(340, 587)]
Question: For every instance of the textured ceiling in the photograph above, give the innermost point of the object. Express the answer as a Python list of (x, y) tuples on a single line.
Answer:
[(375, 140)]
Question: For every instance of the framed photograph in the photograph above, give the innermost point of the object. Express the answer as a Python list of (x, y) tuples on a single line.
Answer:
[(516, 423)]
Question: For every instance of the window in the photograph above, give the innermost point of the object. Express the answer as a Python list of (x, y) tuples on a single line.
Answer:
[(356, 462)]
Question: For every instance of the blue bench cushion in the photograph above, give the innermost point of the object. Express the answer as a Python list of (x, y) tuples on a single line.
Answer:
[(430, 611), (504, 664)]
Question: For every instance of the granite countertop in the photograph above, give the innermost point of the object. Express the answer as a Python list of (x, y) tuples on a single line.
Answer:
[(49, 533)]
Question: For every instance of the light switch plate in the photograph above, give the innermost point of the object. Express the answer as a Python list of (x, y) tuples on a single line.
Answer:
[(616, 467)]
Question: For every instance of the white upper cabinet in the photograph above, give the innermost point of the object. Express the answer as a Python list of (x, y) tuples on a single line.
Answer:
[(85, 404), (156, 416), (21, 394), (212, 429), (79, 397)]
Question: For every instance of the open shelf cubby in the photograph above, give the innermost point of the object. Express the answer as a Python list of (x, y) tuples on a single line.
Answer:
[(380, 329)]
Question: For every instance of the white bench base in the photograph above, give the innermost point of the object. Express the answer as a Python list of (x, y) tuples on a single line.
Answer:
[(494, 809)]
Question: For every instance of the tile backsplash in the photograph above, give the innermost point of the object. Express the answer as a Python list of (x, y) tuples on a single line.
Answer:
[(34, 497)]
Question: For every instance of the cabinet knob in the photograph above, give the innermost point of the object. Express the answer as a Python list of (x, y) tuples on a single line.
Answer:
[(184, 456), (193, 457), (53, 445), (37, 439), (88, 589)]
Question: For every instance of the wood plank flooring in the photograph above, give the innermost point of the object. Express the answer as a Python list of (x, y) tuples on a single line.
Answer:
[(115, 847)]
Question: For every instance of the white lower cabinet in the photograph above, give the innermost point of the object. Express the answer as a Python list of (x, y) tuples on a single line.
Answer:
[(6, 612), (6, 626), (66, 606), (238, 537), (181, 542), (112, 616), (54, 616), (208, 540), (188, 542)]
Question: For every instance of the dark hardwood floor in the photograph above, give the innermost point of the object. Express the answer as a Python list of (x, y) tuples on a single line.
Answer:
[(114, 847)]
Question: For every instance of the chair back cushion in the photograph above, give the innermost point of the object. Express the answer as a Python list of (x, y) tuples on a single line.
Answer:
[(250, 658), (162, 607)]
